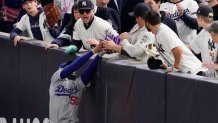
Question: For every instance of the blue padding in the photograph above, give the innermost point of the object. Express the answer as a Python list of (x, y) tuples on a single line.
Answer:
[(148, 90), (34, 97), (9, 87), (208, 100), (119, 89), (181, 98)]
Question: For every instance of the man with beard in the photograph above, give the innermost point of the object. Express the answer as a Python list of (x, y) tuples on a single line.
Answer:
[(171, 48)]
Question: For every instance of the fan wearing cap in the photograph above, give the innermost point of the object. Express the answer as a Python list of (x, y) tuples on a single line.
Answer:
[(66, 89), (203, 43), (135, 43), (213, 30), (33, 23), (90, 29)]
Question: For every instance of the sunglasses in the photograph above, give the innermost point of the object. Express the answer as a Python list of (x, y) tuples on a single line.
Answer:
[(82, 11)]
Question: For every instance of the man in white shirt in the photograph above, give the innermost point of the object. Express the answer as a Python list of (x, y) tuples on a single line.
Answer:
[(171, 48)]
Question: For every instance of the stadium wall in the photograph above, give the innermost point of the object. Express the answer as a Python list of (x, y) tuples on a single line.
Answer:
[(122, 91)]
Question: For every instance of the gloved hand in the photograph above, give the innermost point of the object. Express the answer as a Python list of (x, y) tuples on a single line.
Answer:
[(71, 49)]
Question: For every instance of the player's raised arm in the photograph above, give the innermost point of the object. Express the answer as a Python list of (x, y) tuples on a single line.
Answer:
[(89, 71), (76, 64)]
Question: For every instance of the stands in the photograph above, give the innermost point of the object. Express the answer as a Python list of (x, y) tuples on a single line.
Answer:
[(122, 91)]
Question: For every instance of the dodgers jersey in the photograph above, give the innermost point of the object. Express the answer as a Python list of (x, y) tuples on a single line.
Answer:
[(98, 30), (165, 44), (137, 43), (65, 97), (186, 34), (203, 44)]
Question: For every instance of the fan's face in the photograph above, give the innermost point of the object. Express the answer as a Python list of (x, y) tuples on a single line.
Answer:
[(86, 15)]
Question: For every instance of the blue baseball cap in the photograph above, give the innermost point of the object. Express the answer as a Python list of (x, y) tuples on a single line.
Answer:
[(140, 9)]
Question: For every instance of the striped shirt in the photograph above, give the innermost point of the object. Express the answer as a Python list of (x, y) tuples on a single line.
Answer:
[(186, 34), (203, 44), (165, 44), (98, 30)]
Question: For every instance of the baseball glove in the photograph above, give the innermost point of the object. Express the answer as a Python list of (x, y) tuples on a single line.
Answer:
[(52, 14), (154, 63)]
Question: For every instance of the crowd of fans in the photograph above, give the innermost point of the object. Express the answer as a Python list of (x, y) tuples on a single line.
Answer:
[(163, 34), (174, 31)]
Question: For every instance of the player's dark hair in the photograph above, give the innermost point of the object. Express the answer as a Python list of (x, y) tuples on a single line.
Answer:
[(152, 17), (70, 25)]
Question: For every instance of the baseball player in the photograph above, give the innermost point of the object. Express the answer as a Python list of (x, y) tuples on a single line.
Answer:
[(65, 91), (34, 23), (135, 43), (171, 48), (203, 43), (172, 7)]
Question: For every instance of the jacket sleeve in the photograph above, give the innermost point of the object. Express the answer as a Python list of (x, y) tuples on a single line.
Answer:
[(190, 21), (76, 64), (85, 77), (63, 39), (14, 33)]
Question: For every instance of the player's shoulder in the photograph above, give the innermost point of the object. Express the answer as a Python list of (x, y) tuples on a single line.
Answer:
[(203, 34), (164, 29), (80, 83), (100, 22), (147, 36), (56, 76), (24, 17), (78, 23), (166, 4)]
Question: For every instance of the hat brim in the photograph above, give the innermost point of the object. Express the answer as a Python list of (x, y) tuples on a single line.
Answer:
[(85, 8), (131, 14), (194, 13)]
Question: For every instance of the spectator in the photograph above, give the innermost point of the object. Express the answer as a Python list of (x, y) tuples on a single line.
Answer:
[(171, 48), (33, 23), (66, 90), (127, 6), (70, 17), (6, 23), (65, 7), (64, 39), (172, 8), (203, 43), (213, 29), (108, 14), (155, 4), (114, 5), (134, 43), (89, 29), (214, 5), (23, 11)]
